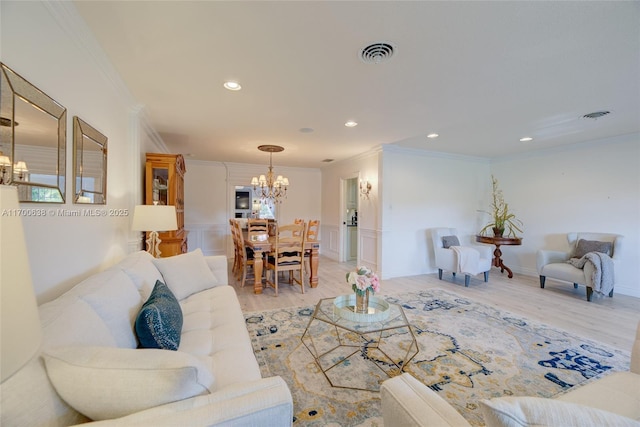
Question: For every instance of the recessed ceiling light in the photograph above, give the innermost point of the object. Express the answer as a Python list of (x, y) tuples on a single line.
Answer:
[(351, 124), (433, 135), (526, 139), (231, 85)]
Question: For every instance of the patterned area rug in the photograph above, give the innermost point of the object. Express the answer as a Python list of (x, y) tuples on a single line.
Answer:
[(467, 352)]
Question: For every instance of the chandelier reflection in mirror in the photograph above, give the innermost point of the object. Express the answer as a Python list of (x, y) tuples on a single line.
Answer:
[(270, 187)]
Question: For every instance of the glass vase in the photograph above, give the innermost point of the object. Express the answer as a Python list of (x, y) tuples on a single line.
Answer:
[(362, 302)]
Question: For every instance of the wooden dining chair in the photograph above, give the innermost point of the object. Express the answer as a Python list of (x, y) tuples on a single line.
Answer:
[(257, 229), (246, 260), (287, 255), (232, 225), (312, 235)]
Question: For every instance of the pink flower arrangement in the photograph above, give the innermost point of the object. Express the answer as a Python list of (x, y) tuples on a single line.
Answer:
[(363, 279)]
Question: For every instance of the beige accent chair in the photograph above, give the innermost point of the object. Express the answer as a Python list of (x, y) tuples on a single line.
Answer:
[(447, 258), (615, 398), (554, 264)]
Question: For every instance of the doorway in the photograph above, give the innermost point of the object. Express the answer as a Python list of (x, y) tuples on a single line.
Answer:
[(350, 219)]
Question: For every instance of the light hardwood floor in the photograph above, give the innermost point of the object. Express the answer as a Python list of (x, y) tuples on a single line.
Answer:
[(612, 321)]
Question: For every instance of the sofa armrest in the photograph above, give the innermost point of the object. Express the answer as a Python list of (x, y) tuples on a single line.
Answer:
[(544, 257), (407, 402), (219, 266), (446, 259), (265, 402), (486, 251)]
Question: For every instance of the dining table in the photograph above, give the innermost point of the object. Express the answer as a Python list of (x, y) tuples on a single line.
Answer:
[(261, 247)]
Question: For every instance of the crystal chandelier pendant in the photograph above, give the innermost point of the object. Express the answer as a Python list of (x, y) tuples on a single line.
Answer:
[(266, 187)]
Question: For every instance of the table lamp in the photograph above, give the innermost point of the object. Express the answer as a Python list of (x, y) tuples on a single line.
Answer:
[(154, 218), (20, 331)]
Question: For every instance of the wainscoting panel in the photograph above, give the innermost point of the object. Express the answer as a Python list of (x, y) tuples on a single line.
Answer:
[(330, 241), (368, 247), (210, 238)]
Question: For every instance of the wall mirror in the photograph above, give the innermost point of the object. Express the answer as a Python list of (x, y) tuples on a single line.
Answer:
[(33, 131), (89, 164)]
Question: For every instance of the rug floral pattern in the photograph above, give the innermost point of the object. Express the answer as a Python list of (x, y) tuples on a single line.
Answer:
[(467, 352)]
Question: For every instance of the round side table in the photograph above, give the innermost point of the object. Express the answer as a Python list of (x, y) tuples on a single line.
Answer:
[(497, 253)]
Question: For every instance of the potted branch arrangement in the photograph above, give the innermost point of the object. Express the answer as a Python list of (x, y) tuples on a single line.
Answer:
[(503, 219)]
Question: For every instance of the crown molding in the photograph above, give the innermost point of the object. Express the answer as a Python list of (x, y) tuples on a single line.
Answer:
[(391, 148), (618, 139)]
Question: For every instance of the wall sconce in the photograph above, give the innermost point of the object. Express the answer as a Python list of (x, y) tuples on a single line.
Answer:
[(365, 188)]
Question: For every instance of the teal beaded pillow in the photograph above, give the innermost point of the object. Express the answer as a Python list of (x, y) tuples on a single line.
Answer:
[(159, 322)]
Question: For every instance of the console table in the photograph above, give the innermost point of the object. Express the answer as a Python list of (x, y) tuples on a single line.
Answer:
[(497, 253)]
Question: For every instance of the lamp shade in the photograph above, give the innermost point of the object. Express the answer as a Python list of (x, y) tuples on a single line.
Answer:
[(20, 331), (154, 218)]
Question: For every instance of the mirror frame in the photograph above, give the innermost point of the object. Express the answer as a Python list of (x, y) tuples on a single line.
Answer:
[(20, 88), (82, 129)]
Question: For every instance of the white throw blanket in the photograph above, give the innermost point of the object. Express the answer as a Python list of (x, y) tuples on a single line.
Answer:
[(601, 271), (468, 259)]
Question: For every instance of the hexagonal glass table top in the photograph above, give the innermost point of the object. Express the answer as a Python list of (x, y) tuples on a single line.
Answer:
[(359, 350)]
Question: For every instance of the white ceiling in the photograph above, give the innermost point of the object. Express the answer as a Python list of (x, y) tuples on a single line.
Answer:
[(480, 74)]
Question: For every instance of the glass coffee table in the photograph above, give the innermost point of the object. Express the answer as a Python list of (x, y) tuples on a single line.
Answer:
[(359, 350)]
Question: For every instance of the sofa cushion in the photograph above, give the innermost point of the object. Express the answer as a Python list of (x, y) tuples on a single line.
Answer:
[(186, 274), (448, 241), (214, 330), (584, 246), (538, 411), (104, 383), (159, 322)]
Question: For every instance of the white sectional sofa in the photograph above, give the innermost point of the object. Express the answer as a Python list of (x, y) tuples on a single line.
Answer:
[(613, 400), (90, 368)]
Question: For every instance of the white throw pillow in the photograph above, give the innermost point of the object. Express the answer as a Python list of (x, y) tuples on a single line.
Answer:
[(538, 411), (104, 382), (140, 268), (116, 300), (186, 274)]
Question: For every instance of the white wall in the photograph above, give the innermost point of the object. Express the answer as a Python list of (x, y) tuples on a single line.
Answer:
[(423, 190), (47, 43), (210, 193), (592, 186)]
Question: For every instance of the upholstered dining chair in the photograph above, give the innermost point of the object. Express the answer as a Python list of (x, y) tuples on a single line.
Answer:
[(554, 263), (287, 255), (450, 255)]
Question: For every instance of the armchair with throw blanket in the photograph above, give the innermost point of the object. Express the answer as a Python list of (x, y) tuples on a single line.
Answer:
[(593, 260), (450, 255)]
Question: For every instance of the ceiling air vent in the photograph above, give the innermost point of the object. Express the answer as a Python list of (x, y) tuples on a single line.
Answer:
[(377, 52), (596, 115)]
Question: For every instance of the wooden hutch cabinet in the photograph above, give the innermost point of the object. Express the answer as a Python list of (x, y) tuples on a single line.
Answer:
[(164, 185)]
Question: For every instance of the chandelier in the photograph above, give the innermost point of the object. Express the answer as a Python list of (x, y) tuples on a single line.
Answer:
[(269, 187)]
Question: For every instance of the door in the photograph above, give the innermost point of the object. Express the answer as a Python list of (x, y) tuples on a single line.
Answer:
[(350, 219)]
